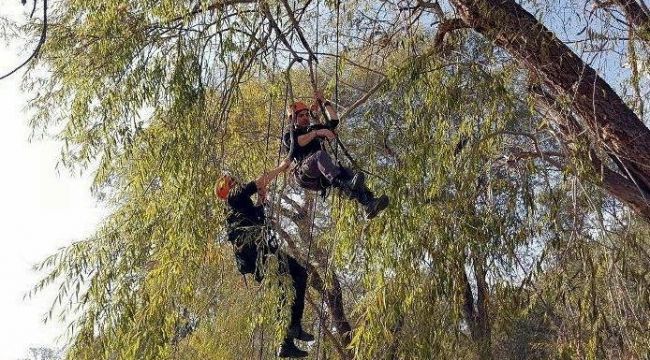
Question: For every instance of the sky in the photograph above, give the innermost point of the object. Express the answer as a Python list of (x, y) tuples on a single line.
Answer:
[(40, 211)]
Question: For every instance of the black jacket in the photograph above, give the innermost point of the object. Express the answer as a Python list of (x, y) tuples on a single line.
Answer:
[(247, 230)]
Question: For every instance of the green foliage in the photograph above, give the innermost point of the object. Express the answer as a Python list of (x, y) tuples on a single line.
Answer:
[(487, 223)]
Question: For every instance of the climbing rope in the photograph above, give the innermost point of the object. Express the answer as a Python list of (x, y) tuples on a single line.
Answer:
[(321, 319), (312, 65)]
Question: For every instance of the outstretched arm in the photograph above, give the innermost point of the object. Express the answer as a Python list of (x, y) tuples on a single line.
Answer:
[(263, 181)]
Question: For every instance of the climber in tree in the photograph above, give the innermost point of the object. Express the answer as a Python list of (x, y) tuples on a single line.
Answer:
[(314, 168), (253, 243)]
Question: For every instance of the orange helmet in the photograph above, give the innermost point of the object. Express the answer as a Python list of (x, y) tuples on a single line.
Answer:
[(295, 108), (223, 186)]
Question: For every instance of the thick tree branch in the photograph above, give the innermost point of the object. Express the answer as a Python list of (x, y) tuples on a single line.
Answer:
[(483, 322), (602, 111), (333, 297), (468, 301), (343, 353), (445, 27), (637, 18), (620, 187), (617, 185), (362, 99)]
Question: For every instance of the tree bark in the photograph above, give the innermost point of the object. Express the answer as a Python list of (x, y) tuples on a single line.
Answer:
[(636, 17), (477, 311), (483, 336), (333, 297), (620, 186), (601, 110)]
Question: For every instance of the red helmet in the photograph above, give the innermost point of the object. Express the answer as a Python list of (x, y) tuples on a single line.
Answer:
[(295, 108)]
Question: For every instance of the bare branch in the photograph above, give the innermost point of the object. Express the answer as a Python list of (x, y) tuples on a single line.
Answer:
[(214, 6), (31, 14), (296, 26), (41, 41), (363, 99), (267, 13)]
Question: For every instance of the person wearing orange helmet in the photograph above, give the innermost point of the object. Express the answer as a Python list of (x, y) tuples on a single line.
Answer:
[(253, 244), (314, 168)]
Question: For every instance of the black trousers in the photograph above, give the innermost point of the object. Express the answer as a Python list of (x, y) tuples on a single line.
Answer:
[(299, 278), (289, 266)]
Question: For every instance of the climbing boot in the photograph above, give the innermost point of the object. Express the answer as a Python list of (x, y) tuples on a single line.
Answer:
[(359, 180), (289, 350), (376, 206), (349, 186), (371, 204), (297, 332)]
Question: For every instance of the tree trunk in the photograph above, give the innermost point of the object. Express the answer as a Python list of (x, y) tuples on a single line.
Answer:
[(613, 182), (483, 325), (477, 311), (601, 110)]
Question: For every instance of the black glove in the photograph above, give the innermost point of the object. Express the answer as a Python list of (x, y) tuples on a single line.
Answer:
[(332, 124)]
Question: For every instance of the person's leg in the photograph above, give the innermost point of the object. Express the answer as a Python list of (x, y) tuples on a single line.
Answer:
[(289, 350), (361, 193), (351, 184), (320, 164), (299, 276), (372, 205), (290, 266)]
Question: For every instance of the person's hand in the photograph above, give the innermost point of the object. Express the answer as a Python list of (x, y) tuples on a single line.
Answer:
[(284, 165), (318, 96), (326, 133)]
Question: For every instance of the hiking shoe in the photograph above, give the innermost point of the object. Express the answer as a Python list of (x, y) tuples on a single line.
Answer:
[(289, 350), (375, 206)]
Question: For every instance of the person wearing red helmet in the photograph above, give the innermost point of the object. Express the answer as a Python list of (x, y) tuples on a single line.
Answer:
[(253, 243), (314, 168)]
